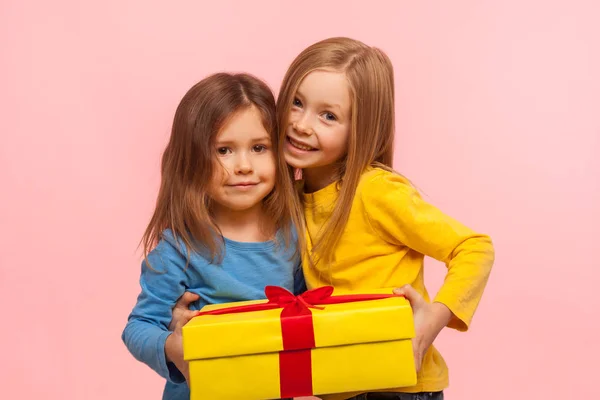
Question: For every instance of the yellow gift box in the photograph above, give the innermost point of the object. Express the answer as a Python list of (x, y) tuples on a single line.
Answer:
[(312, 344)]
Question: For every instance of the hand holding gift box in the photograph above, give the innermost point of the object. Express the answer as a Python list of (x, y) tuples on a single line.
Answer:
[(311, 344)]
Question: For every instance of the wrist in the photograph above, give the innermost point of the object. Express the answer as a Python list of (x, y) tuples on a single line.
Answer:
[(441, 315), (438, 317), (169, 347)]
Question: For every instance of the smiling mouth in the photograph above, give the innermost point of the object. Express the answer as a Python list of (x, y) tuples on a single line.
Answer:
[(299, 145), (244, 184)]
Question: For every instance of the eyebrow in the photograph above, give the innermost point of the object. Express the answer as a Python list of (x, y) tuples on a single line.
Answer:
[(265, 138), (323, 103)]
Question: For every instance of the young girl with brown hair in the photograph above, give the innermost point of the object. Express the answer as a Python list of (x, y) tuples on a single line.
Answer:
[(221, 228)]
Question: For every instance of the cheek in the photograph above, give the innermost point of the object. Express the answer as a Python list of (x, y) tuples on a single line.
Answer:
[(293, 117), (219, 174), (268, 167), (343, 138), (336, 141)]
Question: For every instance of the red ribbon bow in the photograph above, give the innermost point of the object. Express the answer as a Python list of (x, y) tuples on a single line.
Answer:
[(297, 330)]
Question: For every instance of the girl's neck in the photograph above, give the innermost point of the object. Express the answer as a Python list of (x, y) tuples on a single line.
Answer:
[(317, 178), (251, 225)]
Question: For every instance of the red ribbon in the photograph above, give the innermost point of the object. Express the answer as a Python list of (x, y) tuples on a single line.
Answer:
[(295, 368)]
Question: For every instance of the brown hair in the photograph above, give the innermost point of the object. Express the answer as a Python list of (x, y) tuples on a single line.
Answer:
[(188, 162), (370, 78)]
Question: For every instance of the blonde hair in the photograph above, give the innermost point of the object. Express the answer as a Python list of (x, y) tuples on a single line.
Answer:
[(370, 78)]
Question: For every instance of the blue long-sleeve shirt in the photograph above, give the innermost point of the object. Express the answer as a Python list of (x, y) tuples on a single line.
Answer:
[(242, 275)]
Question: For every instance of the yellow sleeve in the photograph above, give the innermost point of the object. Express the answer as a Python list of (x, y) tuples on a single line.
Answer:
[(400, 216)]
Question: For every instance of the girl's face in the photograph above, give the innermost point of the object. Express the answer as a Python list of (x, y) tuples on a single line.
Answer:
[(319, 123), (245, 172)]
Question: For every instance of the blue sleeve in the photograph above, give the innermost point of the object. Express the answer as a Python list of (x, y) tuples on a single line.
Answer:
[(162, 283)]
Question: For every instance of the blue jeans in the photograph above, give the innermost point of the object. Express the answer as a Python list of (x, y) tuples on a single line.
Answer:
[(399, 396)]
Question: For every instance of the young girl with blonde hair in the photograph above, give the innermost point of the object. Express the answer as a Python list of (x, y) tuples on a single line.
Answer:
[(365, 225)]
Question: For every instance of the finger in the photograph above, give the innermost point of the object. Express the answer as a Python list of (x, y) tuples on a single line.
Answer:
[(411, 295), (185, 317), (189, 314), (417, 357), (186, 299), (186, 374), (402, 290)]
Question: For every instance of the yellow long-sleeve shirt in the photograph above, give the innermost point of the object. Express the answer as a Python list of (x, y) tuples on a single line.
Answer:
[(389, 231)]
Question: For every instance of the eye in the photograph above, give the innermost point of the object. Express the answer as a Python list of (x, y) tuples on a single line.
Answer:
[(223, 150), (259, 148), (329, 116), (296, 102)]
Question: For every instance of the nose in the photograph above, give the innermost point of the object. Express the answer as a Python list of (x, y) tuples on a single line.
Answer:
[(243, 164), (302, 124)]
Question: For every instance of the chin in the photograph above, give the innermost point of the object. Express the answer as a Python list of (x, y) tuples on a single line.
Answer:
[(242, 206), (294, 163)]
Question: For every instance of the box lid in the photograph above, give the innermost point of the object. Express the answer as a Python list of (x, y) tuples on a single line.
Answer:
[(210, 336)]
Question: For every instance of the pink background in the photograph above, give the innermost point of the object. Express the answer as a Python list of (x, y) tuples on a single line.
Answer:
[(497, 122)]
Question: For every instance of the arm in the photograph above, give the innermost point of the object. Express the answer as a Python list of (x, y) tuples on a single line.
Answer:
[(146, 332), (182, 314), (400, 216)]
